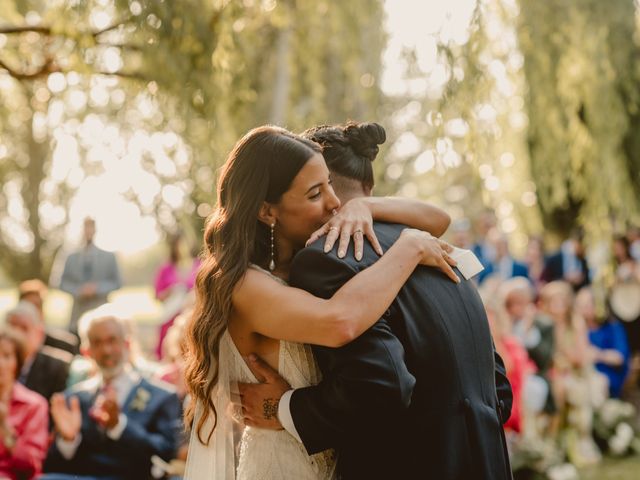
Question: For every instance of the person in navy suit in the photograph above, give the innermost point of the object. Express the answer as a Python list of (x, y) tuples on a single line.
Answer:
[(569, 263), (110, 425), (503, 266), (482, 247)]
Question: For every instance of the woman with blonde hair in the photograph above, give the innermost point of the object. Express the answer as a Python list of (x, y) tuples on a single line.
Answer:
[(577, 387)]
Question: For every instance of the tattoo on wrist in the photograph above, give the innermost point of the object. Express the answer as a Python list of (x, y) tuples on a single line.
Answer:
[(270, 408)]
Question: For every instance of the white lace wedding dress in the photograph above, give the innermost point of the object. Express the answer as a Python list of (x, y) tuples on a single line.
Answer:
[(259, 454)]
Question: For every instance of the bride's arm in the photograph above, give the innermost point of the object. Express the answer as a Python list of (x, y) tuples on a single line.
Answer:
[(357, 215), (287, 313), (410, 212)]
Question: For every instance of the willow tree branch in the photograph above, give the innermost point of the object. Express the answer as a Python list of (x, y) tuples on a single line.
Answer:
[(111, 27), (25, 28), (123, 46), (45, 69), (45, 30), (131, 75)]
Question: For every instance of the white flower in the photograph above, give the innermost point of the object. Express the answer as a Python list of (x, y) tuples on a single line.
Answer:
[(139, 403)]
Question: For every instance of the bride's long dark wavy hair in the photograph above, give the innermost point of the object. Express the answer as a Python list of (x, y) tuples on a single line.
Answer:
[(260, 168)]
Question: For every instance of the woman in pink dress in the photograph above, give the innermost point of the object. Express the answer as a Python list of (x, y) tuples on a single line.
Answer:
[(24, 415)]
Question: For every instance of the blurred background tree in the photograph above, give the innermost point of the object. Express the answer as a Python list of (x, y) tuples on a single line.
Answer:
[(529, 109), (583, 106), (170, 86), (532, 111)]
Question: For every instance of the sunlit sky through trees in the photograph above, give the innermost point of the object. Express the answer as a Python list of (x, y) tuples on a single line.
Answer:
[(123, 110), (121, 225)]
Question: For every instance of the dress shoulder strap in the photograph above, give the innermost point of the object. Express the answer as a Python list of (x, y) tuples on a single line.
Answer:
[(267, 272)]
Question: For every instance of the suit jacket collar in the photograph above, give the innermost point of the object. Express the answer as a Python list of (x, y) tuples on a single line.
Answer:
[(27, 367)]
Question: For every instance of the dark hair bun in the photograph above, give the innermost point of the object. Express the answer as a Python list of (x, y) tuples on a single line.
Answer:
[(364, 138)]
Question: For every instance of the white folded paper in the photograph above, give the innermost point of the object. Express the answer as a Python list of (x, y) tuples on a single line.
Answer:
[(468, 263)]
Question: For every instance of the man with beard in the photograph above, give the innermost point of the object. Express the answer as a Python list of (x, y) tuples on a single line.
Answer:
[(110, 425)]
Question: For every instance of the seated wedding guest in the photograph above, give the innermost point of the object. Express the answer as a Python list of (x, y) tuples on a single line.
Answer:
[(633, 235), (516, 360), (625, 292), (609, 346), (24, 415), (533, 328), (45, 368), (174, 280), (173, 372), (83, 367), (535, 259), (569, 264), (503, 266), (110, 425), (578, 388), (483, 248), (460, 233), (34, 291), (627, 268)]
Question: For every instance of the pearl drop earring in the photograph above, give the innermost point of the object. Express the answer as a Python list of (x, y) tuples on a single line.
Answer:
[(272, 263)]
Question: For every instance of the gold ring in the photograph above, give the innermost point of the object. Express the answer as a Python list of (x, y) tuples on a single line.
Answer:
[(333, 228)]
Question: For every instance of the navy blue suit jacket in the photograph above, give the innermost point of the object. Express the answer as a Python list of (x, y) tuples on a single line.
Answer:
[(421, 394), (153, 424), (518, 270)]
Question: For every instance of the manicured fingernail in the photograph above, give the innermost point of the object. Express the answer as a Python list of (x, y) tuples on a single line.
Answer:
[(358, 256), (341, 253), (327, 248)]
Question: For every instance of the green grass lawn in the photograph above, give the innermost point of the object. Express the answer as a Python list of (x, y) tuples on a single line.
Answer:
[(614, 469)]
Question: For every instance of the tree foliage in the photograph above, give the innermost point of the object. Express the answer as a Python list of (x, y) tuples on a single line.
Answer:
[(583, 99), (206, 71), (548, 93)]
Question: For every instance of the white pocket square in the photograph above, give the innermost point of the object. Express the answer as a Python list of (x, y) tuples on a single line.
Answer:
[(468, 263)]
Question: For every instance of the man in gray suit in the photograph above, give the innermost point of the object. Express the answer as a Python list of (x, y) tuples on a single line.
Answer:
[(90, 274)]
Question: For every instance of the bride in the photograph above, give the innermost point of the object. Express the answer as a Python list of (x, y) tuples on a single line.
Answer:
[(274, 191)]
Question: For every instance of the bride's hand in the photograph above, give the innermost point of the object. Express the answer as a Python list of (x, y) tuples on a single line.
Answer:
[(435, 252), (353, 220)]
